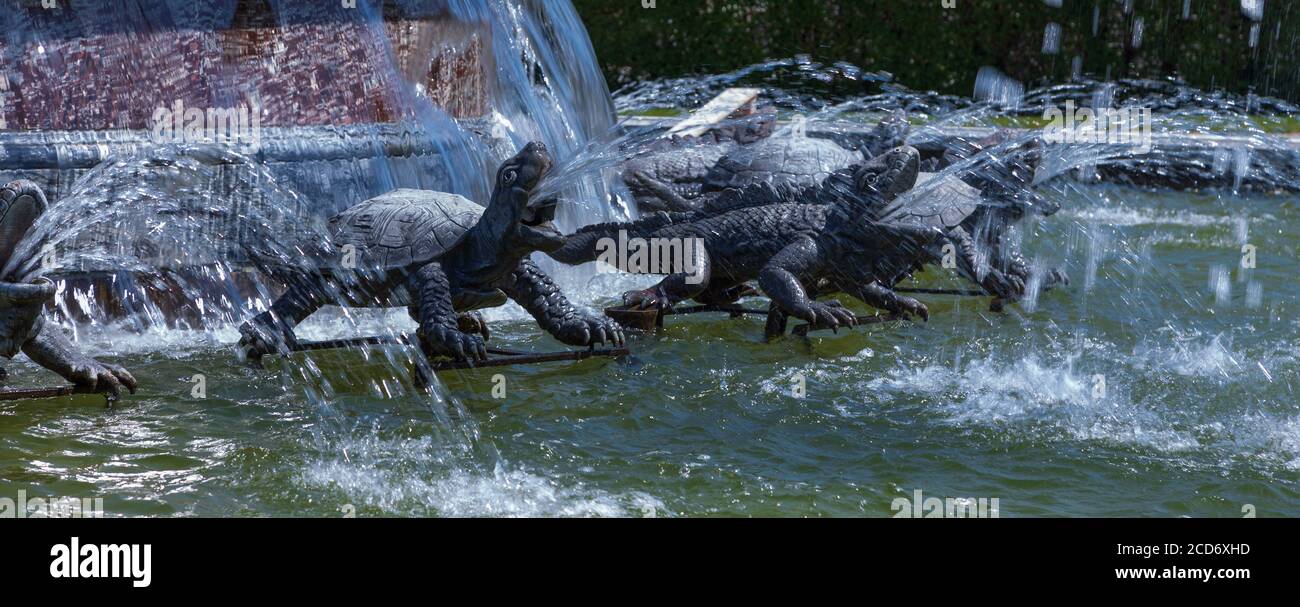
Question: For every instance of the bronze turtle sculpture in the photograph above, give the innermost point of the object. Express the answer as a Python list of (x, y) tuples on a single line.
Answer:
[(23, 326), (440, 255)]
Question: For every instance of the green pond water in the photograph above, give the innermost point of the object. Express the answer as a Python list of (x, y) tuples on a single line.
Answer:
[(1162, 382)]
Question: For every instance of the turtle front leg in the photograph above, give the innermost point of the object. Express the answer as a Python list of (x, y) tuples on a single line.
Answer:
[(23, 327), (1050, 278), (996, 282), (440, 332), (271, 331), (531, 288), (50, 349), (783, 280)]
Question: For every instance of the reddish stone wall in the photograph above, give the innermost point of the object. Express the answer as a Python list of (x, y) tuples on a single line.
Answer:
[(298, 75)]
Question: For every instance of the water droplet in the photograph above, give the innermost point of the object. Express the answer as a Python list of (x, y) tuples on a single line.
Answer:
[(1254, 295), (996, 87), (1253, 9), (1052, 39), (1220, 285)]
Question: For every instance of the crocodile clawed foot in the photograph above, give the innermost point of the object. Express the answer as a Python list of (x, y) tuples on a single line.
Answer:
[(258, 340), (472, 323), (828, 315), (1056, 277), (1003, 285), (647, 299), (100, 377), (912, 307)]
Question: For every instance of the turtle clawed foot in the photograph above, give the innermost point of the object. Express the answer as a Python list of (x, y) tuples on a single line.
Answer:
[(454, 343), (124, 377), (101, 377), (646, 299), (473, 324), (591, 330)]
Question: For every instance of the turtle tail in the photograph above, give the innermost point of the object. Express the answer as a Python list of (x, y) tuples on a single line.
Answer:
[(581, 246)]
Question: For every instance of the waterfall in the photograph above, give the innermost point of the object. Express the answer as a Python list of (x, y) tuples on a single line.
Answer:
[(349, 98)]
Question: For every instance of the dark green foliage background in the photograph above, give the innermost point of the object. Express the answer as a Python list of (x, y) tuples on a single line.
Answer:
[(928, 47)]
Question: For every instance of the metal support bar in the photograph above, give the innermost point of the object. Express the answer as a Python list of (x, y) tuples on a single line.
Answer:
[(804, 329), (56, 392)]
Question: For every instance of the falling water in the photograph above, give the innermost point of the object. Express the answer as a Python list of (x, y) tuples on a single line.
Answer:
[(151, 240)]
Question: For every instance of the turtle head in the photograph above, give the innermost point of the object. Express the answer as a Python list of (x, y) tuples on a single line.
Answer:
[(885, 177), (21, 305), (526, 219), (891, 132), (21, 203)]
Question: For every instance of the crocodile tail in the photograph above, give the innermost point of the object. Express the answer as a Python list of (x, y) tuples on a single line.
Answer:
[(581, 246), (763, 194)]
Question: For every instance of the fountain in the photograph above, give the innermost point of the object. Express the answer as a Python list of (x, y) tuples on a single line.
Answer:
[(337, 103), (172, 141), (175, 140)]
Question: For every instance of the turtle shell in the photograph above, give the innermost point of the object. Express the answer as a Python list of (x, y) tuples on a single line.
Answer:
[(781, 161), (405, 227), (942, 205)]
